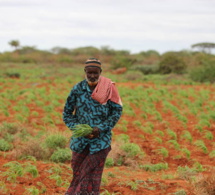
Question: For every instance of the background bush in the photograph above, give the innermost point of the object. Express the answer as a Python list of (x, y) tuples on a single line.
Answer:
[(147, 69), (172, 63), (204, 73)]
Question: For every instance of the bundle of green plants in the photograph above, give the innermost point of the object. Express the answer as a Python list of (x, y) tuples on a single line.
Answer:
[(81, 130)]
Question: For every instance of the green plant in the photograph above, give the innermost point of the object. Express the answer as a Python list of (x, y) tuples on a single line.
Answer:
[(163, 151), (110, 174), (172, 134), (186, 152), (147, 129), (204, 123), (31, 191), (31, 158), (4, 145), (154, 167), (61, 155), (3, 188), (201, 145), (137, 123), (57, 178), (198, 167), (167, 176), (212, 154), (175, 144), (159, 132), (9, 128), (104, 180), (187, 136), (133, 185), (208, 135), (122, 138), (31, 169), (158, 139), (109, 162), (131, 149), (15, 169), (56, 141), (180, 192), (42, 187)]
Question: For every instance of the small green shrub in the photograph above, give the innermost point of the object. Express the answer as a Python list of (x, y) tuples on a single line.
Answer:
[(122, 138), (175, 144), (109, 162), (180, 192), (154, 167), (8, 128), (61, 155), (32, 191), (57, 178), (4, 145), (56, 141), (131, 149), (212, 154), (200, 144), (162, 151), (186, 152), (29, 168)]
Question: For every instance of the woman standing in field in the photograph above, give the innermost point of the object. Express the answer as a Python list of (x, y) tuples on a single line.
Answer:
[(94, 101)]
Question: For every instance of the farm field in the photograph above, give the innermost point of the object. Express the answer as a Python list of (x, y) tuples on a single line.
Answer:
[(164, 142)]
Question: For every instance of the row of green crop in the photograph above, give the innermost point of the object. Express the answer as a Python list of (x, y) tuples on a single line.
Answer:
[(189, 101)]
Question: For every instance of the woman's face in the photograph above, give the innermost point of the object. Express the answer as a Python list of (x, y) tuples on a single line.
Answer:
[(92, 75)]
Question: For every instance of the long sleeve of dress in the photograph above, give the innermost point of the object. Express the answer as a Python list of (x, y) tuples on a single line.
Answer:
[(112, 119), (69, 117)]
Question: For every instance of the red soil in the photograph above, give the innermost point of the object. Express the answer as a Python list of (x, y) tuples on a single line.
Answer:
[(148, 183)]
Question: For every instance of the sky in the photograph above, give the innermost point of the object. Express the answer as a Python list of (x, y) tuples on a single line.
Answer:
[(132, 25)]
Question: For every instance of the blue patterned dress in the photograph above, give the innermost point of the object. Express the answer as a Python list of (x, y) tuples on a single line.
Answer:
[(80, 108)]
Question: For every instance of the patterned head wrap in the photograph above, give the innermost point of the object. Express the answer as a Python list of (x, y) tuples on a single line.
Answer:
[(93, 62)]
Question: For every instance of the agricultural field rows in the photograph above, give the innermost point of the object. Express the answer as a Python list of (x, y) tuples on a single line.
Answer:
[(163, 143)]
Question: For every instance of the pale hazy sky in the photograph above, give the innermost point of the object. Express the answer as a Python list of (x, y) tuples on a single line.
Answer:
[(134, 25)]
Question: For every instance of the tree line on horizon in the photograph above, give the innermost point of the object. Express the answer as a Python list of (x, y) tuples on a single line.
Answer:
[(199, 64), (205, 47)]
